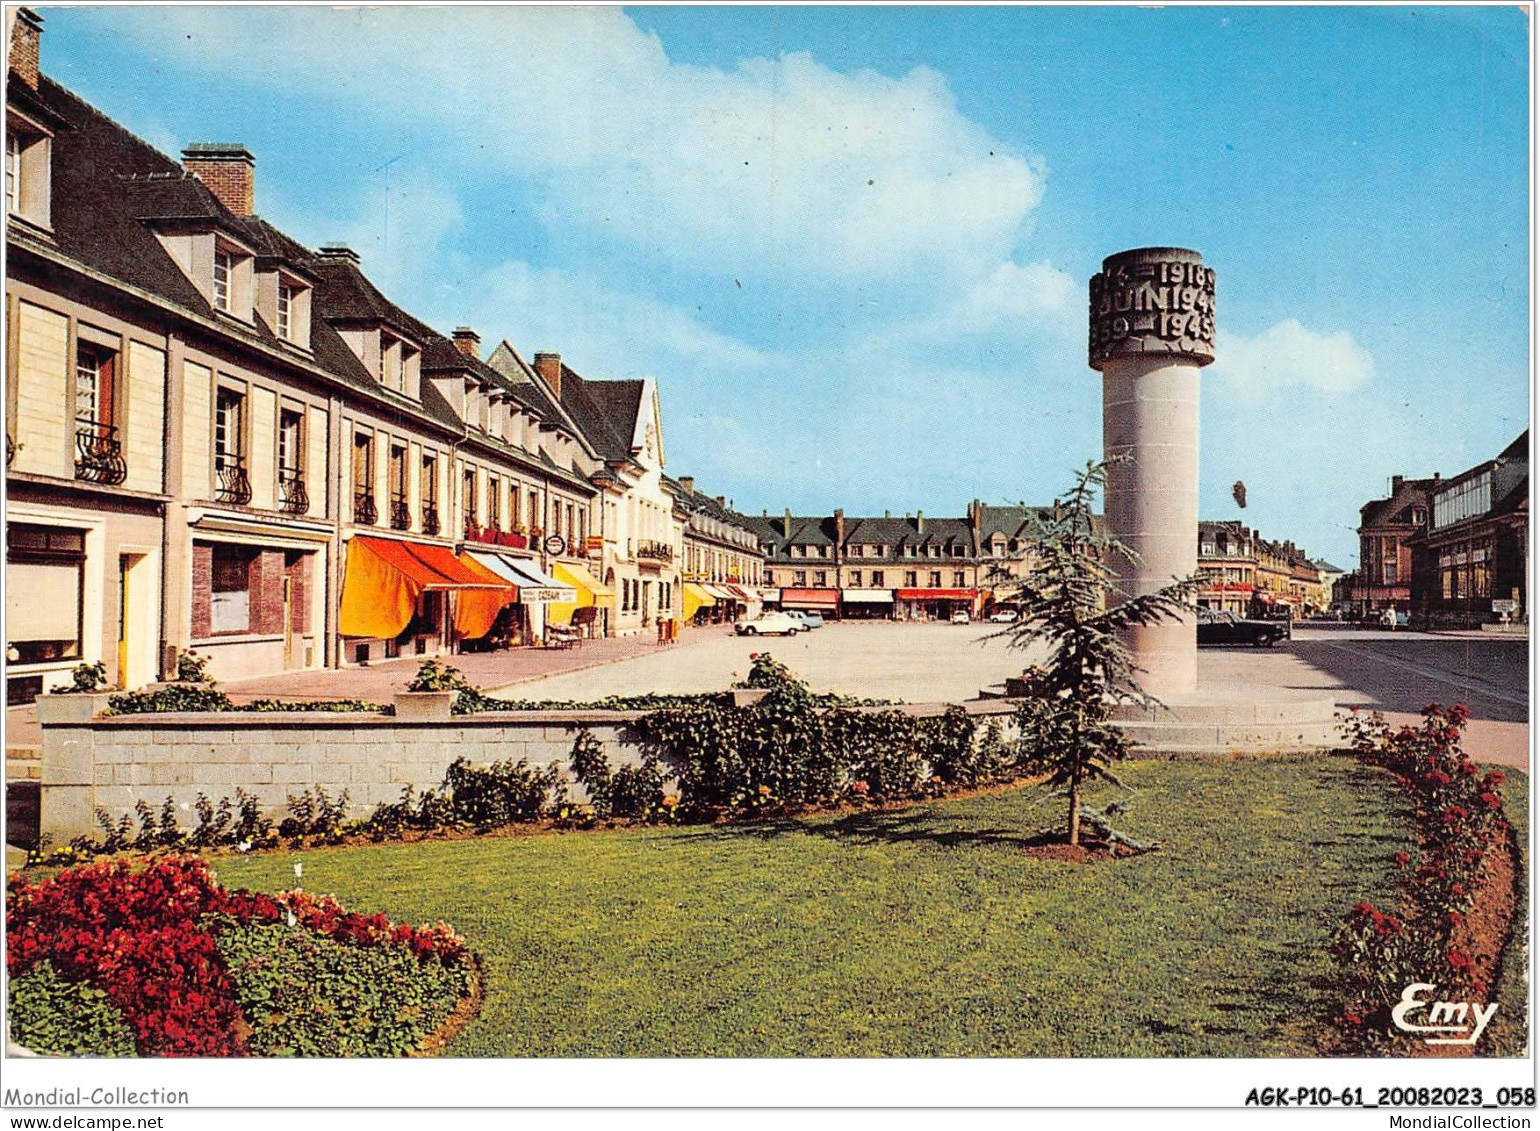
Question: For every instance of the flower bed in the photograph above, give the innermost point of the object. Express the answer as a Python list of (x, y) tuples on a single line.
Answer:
[(1459, 888), (160, 960)]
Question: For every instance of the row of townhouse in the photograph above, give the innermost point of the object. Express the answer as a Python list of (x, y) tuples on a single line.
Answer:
[(1448, 552), (220, 440), (909, 568), (722, 568), (1243, 573)]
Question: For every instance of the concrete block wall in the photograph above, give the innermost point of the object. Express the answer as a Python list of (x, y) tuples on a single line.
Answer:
[(114, 762)]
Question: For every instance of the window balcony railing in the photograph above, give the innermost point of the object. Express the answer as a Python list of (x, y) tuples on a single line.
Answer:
[(400, 513), (98, 454), (292, 496), (429, 517), (472, 527), (365, 513), (233, 485), (514, 539), (654, 552)]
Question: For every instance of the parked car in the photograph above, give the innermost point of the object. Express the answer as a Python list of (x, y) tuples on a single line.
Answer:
[(1216, 627), (769, 624), (1392, 619), (961, 617), (1004, 616), (806, 619)]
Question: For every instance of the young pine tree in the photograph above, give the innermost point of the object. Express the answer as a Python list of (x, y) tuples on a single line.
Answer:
[(1070, 603)]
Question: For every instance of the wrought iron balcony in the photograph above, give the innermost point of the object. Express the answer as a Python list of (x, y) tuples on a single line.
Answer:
[(472, 527), (292, 496), (400, 513), (364, 511), (234, 486), (98, 454), (429, 517), (654, 552)]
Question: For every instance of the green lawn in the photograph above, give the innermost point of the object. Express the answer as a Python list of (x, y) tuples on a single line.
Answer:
[(925, 932)]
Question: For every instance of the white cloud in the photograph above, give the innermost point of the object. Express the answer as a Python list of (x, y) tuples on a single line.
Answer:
[(781, 167), (602, 332), (1288, 355), (1009, 298)]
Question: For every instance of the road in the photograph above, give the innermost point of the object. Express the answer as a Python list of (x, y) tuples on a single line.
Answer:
[(1393, 672)]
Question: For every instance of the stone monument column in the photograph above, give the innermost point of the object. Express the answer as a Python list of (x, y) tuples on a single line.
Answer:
[(1152, 329)]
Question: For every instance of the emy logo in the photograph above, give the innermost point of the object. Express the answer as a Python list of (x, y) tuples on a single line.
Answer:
[(1463, 1022)]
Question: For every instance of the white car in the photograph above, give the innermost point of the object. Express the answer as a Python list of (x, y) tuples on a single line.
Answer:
[(961, 617), (1004, 616), (769, 624)]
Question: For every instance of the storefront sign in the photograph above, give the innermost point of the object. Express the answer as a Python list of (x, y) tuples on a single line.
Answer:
[(555, 545)]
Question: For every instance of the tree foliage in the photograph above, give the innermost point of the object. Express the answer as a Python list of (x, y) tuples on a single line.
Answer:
[(1070, 604)]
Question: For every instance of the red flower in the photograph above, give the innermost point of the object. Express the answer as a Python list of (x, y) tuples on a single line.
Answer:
[(1457, 889), (1494, 779), (1459, 959), (1403, 859), (1491, 800), (858, 787), (1353, 1019)]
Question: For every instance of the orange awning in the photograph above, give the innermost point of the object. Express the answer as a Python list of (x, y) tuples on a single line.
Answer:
[(384, 578), (476, 609)]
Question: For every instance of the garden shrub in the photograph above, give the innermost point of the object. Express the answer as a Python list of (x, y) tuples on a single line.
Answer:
[(169, 700), (502, 793), (312, 996), (633, 791), (1461, 821), (48, 1014), (148, 943)]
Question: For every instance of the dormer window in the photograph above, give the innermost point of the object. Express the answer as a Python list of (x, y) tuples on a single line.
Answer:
[(285, 311), (27, 173), (224, 280)]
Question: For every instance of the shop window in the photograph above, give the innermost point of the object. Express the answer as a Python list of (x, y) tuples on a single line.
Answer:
[(44, 585), (230, 604)]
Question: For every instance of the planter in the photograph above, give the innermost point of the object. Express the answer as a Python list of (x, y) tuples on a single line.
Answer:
[(747, 696), (424, 704), (73, 707)]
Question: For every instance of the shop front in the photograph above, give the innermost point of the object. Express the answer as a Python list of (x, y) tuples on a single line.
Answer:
[(867, 604), (697, 604), (413, 598), (588, 593), (824, 602), (523, 622), (935, 604)]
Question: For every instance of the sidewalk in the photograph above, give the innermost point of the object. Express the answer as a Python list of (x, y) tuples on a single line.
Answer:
[(490, 671)]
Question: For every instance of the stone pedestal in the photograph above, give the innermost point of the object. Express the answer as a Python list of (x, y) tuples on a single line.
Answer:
[(1151, 329)]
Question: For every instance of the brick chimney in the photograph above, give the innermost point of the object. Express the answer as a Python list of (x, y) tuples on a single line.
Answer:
[(786, 526), (548, 365), (26, 30), (1395, 483), (468, 342), (228, 169), (839, 531), (688, 483), (919, 522)]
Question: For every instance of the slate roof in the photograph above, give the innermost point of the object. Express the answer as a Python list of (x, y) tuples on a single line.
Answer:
[(606, 409), (111, 190), (1397, 508)]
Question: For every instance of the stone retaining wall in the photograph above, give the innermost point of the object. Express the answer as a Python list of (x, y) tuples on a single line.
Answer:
[(113, 762)]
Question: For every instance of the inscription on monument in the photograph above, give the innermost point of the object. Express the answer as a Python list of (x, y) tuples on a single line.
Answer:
[(1152, 301)]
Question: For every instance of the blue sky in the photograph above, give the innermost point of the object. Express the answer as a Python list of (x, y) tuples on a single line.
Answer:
[(852, 244)]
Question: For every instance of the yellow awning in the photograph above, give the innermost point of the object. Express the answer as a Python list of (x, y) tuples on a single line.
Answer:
[(590, 591), (695, 598)]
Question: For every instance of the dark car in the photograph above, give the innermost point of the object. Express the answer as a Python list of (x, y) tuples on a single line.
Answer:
[(1215, 627)]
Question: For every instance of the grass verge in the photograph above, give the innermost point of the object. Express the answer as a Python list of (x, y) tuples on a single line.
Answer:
[(922, 932)]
